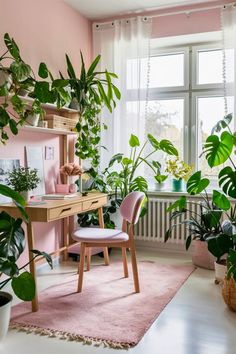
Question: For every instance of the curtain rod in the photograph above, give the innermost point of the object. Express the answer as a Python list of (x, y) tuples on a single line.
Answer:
[(187, 12)]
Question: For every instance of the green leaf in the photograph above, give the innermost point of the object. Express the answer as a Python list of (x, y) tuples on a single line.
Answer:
[(24, 286), (116, 158), (43, 71), (139, 184), (12, 46), (227, 181), (70, 68), (220, 200), (168, 147), (8, 267), (116, 92), (222, 124), (126, 161), (93, 65), (180, 204), (218, 150), (44, 255), (13, 126), (188, 242), (196, 184), (219, 245), (20, 70), (134, 141), (16, 197), (160, 178), (153, 142)]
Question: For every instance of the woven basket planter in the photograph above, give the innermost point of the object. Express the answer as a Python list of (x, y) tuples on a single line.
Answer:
[(229, 293)]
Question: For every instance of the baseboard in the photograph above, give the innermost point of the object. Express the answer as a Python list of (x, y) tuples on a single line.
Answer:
[(151, 246)]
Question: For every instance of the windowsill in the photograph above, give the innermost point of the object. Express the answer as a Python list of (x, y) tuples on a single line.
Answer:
[(170, 193)]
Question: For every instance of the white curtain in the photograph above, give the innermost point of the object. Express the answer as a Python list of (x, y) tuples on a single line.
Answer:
[(228, 17), (124, 46)]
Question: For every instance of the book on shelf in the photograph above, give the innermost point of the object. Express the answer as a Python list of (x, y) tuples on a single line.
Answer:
[(60, 196)]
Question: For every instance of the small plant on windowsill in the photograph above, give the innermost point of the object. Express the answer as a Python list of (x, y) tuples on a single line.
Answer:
[(180, 171), (23, 180)]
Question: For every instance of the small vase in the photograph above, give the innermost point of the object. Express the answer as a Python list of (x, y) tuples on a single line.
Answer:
[(26, 195), (177, 185), (72, 184), (159, 186), (32, 119)]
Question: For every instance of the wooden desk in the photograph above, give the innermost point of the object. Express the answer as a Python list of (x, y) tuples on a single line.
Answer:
[(55, 210)]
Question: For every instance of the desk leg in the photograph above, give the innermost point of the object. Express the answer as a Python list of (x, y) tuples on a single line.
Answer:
[(65, 237), (101, 224), (30, 236)]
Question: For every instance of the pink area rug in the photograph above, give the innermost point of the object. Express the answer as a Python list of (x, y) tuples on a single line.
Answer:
[(107, 311)]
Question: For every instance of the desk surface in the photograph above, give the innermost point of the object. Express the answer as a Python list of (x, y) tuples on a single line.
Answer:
[(58, 209)]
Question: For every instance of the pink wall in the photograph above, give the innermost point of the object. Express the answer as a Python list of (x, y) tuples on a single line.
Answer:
[(180, 24), (44, 30)]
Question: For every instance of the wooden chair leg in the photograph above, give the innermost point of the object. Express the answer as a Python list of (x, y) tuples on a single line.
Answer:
[(135, 269), (106, 256), (125, 264), (81, 267), (88, 258)]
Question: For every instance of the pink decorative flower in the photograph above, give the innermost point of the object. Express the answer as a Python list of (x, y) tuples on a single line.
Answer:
[(71, 169)]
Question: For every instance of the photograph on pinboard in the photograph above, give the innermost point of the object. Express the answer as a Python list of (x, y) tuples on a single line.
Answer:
[(6, 166)]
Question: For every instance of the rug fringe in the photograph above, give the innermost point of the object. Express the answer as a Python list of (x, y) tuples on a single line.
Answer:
[(50, 333)]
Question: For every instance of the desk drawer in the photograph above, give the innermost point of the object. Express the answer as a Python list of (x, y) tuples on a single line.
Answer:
[(94, 204), (66, 210)]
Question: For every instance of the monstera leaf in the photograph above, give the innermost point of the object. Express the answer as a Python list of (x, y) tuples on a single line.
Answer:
[(219, 245), (227, 181), (220, 200), (12, 237), (218, 150), (168, 147), (139, 184), (24, 286), (196, 184), (222, 124), (153, 141)]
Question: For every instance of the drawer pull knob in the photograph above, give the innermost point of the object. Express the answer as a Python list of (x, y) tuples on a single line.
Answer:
[(95, 202), (66, 209)]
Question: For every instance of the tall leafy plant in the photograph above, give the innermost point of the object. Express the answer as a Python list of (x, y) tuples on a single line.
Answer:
[(91, 90)]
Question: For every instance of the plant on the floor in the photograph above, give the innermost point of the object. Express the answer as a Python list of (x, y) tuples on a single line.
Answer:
[(229, 286), (124, 179), (90, 92), (12, 245)]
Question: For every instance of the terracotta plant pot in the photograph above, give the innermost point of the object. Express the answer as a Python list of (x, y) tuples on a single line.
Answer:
[(5, 311), (201, 257), (229, 293), (220, 270)]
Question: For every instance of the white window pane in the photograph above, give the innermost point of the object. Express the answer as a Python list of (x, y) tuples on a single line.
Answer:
[(167, 70), (165, 120), (209, 110), (210, 66)]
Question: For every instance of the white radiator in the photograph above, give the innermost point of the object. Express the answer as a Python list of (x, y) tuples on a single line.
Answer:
[(153, 225)]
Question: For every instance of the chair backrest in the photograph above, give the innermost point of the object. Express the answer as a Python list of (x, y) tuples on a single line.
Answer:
[(130, 207)]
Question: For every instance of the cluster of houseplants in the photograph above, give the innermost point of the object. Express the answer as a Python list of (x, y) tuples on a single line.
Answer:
[(207, 227)]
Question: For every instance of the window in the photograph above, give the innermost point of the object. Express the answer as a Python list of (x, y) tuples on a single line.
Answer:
[(186, 97)]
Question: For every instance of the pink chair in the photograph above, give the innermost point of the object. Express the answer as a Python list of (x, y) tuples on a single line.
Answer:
[(97, 237)]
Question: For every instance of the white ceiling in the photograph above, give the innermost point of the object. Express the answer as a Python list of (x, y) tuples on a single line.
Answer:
[(98, 9)]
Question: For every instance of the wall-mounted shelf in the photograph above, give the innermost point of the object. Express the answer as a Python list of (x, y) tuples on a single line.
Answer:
[(46, 130), (49, 105)]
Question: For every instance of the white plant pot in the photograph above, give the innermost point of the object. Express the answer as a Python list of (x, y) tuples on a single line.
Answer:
[(33, 119), (5, 78), (26, 195), (159, 186), (5, 313), (220, 271)]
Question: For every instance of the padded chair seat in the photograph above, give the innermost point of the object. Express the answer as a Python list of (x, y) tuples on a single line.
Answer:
[(98, 235)]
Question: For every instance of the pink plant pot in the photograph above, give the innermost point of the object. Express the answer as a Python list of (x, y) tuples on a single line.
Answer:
[(201, 257)]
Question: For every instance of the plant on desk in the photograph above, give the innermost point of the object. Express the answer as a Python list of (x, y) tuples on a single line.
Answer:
[(23, 180), (12, 245)]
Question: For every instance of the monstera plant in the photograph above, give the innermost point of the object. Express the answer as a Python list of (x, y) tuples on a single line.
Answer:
[(122, 175)]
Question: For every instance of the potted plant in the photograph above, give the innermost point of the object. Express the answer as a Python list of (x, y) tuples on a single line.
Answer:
[(180, 171), (12, 245), (229, 285), (23, 180), (124, 178)]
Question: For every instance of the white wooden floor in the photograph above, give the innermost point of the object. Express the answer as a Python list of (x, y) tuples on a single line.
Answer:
[(196, 321)]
